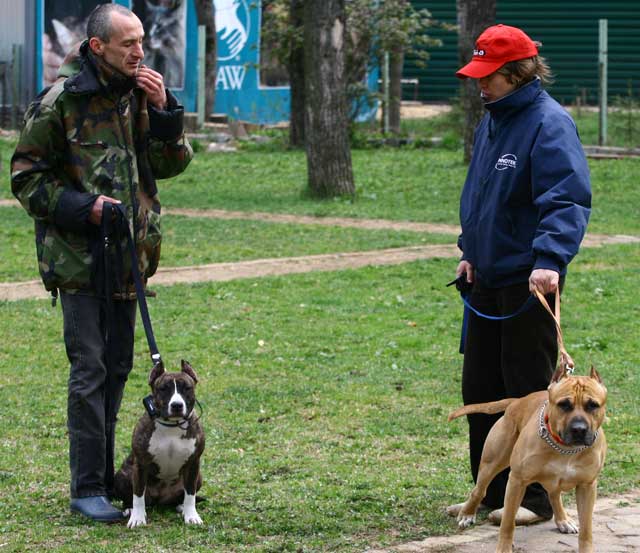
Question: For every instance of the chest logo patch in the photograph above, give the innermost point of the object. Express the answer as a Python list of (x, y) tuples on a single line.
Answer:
[(506, 161)]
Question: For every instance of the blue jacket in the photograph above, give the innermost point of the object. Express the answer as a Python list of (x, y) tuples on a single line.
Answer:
[(527, 198)]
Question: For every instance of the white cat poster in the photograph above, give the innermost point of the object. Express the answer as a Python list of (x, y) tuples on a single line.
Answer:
[(165, 28), (65, 24), (164, 22)]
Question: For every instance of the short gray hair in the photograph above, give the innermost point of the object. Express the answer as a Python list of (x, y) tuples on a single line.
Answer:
[(99, 22)]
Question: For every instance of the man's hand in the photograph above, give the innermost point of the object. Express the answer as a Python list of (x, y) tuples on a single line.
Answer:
[(465, 267), (152, 83), (95, 216), (545, 280)]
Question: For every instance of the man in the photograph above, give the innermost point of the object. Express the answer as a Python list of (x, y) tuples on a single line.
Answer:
[(102, 133)]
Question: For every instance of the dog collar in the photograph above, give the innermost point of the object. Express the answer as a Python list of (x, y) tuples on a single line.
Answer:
[(179, 423), (544, 431), (182, 423)]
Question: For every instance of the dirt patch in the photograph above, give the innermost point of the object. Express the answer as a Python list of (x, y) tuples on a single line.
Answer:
[(220, 272), (13, 291), (371, 224)]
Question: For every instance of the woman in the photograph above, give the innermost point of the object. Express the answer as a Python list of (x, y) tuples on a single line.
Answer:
[(524, 211)]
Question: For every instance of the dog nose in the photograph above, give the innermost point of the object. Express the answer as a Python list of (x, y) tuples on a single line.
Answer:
[(579, 429), (175, 406)]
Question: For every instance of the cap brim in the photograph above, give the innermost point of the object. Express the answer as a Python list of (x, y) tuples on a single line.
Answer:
[(477, 69)]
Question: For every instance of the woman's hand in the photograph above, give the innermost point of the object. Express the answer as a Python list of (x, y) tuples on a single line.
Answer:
[(544, 280), (465, 267)]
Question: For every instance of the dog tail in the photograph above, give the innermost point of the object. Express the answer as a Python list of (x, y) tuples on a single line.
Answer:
[(487, 408)]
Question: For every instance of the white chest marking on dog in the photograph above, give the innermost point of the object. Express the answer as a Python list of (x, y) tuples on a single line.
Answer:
[(170, 450)]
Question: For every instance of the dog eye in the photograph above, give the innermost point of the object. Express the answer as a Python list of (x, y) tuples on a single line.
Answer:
[(565, 405), (591, 405)]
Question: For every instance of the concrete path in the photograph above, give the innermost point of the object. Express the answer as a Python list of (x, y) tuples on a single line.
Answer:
[(616, 529)]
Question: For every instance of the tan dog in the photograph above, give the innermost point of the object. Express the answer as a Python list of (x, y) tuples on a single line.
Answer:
[(552, 437)]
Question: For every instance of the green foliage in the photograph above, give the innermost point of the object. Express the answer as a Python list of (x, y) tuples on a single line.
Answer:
[(372, 27), (325, 394), (625, 117), (391, 25), (325, 398)]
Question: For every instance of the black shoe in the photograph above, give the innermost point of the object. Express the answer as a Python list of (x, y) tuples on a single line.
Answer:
[(96, 507)]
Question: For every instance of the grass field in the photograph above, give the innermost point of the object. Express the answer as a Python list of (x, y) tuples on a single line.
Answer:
[(324, 394)]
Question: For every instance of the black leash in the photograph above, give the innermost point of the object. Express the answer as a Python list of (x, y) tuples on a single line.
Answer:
[(114, 226)]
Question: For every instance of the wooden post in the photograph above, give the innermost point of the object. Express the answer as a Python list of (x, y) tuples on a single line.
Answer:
[(202, 35), (602, 77), (385, 81), (16, 77)]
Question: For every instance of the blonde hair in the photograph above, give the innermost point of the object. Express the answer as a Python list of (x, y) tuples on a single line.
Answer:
[(520, 72)]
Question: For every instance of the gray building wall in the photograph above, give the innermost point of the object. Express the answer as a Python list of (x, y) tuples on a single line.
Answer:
[(12, 26)]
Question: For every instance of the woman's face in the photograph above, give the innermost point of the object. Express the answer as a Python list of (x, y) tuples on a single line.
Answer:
[(494, 87)]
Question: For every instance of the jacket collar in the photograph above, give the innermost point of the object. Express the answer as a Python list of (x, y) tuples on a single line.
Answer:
[(515, 101), (89, 74)]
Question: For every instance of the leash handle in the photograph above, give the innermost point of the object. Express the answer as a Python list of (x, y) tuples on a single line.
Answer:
[(565, 359)]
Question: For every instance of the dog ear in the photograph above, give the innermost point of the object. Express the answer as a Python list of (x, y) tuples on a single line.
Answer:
[(595, 375), (558, 375), (156, 372), (188, 369)]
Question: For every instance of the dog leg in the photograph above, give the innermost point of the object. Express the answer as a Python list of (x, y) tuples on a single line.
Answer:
[(563, 521), (191, 473), (495, 458), (585, 500), (512, 499), (138, 516)]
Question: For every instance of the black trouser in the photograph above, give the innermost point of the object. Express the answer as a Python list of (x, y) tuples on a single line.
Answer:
[(101, 359), (510, 358)]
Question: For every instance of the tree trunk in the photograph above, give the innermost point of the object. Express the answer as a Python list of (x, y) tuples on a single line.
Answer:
[(296, 76), (326, 122), (206, 17), (474, 16), (396, 62)]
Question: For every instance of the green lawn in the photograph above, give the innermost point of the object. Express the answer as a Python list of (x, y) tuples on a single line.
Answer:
[(392, 183), (194, 241), (325, 395), (325, 399)]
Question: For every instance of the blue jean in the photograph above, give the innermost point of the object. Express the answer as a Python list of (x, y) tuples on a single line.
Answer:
[(101, 359)]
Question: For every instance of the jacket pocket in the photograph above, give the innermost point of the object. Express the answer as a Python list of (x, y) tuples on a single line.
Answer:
[(64, 259)]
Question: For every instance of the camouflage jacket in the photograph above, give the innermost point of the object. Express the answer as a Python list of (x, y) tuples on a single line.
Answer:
[(92, 133)]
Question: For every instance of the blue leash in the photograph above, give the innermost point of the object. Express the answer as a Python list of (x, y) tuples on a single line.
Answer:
[(526, 305), (468, 307)]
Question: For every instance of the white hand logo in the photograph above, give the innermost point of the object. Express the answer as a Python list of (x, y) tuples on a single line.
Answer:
[(228, 23)]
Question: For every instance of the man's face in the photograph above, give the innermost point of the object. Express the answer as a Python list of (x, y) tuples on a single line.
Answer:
[(124, 49)]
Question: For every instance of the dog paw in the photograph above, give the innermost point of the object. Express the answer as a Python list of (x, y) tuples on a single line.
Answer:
[(136, 520), (567, 526), (191, 517), (464, 521)]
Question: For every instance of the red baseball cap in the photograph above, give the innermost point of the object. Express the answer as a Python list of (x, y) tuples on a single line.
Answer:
[(496, 46)]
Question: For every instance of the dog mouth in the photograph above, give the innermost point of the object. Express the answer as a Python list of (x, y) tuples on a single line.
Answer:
[(579, 436), (177, 411)]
